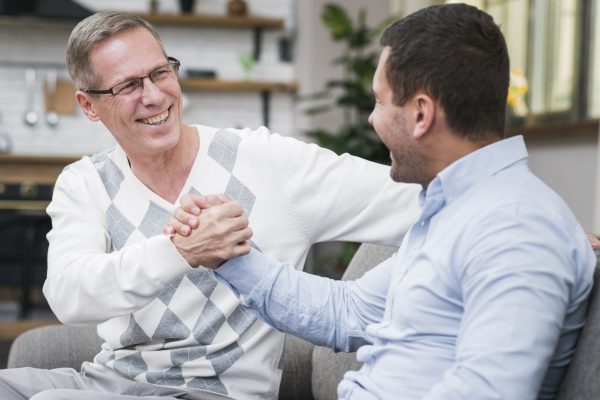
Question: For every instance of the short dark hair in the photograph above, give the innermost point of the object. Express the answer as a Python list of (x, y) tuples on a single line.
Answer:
[(458, 56)]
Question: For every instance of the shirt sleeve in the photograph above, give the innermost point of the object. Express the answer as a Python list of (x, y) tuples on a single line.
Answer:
[(343, 197), (320, 310), (87, 282), (516, 296)]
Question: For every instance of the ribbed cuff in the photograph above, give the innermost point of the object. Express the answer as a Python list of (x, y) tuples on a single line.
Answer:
[(164, 258)]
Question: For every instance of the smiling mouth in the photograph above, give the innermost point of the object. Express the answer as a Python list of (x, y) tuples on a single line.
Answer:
[(156, 120)]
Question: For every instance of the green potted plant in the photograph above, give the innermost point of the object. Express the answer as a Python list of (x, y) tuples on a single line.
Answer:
[(352, 92)]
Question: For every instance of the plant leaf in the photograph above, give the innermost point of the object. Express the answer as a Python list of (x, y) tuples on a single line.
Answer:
[(337, 21)]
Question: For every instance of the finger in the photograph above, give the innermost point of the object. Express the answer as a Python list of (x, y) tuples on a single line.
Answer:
[(209, 201), (240, 249), (186, 218), (173, 225), (244, 235), (238, 223), (238, 237), (188, 203), (230, 209), (223, 197)]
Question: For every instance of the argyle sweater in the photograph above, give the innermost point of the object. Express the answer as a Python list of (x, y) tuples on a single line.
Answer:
[(166, 323)]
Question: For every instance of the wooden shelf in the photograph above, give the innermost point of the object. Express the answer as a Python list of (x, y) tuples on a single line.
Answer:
[(217, 84), (557, 128), (224, 21), (35, 169)]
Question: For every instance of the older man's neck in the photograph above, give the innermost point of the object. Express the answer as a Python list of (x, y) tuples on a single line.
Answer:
[(166, 174)]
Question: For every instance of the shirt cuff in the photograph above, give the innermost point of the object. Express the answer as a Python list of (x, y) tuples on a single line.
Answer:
[(244, 273)]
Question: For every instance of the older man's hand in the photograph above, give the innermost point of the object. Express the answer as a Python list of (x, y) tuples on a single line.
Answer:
[(214, 229)]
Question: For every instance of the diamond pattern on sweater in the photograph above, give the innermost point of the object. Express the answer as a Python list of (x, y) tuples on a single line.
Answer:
[(212, 384), (112, 177), (203, 280), (170, 327), (207, 319), (222, 360), (181, 356), (170, 377), (119, 226), (240, 320), (131, 366), (195, 191), (168, 291), (223, 148), (154, 220), (239, 192), (134, 334), (208, 324)]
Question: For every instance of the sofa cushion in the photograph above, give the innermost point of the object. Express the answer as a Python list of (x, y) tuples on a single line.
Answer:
[(328, 367)]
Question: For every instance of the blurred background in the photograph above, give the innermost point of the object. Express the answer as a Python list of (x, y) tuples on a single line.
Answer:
[(303, 68)]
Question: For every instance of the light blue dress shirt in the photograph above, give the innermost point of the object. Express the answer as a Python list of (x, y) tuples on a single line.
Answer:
[(484, 299)]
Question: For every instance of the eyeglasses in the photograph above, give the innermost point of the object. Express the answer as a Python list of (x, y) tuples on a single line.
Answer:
[(161, 77)]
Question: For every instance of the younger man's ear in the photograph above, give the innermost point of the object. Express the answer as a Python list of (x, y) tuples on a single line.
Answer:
[(86, 103), (424, 114)]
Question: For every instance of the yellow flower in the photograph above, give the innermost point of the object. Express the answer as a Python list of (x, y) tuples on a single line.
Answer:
[(517, 90)]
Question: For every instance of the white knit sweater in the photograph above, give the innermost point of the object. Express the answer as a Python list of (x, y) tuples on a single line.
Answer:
[(168, 324)]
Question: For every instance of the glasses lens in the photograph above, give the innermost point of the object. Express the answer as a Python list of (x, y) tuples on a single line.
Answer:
[(128, 87), (163, 74)]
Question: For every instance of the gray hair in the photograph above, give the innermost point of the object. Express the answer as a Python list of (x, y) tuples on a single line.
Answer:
[(93, 30)]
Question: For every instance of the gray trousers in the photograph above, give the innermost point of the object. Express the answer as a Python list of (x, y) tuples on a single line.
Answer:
[(69, 384)]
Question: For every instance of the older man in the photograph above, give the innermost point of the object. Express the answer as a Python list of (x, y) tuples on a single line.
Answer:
[(487, 295), (169, 329)]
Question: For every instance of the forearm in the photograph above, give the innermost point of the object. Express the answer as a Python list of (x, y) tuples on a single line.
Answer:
[(88, 282), (320, 310), (87, 286)]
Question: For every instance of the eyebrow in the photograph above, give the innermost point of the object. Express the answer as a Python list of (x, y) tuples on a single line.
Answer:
[(131, 77)]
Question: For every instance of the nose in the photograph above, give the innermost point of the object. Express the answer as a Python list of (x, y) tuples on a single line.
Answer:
[(371, 117), (150, 92)]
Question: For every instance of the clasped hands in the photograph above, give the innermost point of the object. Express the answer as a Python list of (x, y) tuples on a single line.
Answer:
[(209, 230)]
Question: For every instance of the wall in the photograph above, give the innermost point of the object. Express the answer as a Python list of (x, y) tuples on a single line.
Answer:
[(568, 163), (196, 47)]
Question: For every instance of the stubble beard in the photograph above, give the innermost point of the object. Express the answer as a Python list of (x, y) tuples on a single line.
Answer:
[(408, 166)]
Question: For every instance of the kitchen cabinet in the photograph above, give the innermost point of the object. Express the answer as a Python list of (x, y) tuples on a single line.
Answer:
[(26, 184)]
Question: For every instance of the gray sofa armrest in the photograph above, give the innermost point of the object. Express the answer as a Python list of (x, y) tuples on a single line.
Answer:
[(54, 346)]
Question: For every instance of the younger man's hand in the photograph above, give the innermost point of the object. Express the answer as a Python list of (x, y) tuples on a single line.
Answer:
[(221, 233)]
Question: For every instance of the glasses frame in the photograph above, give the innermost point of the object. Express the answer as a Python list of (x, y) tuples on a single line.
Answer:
[(173, 62)]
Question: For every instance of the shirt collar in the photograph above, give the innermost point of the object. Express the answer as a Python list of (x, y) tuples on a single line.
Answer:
[(464, 173)]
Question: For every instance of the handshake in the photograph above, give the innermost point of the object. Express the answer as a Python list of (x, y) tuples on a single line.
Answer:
[(209, 230)]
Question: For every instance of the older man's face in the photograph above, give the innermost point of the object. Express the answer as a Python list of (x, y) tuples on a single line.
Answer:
[(146, 122)]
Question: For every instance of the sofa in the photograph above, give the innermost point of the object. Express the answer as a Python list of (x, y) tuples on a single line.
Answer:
[(309, 372)]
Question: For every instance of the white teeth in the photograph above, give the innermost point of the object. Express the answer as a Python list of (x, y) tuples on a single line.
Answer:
[(159, 119)]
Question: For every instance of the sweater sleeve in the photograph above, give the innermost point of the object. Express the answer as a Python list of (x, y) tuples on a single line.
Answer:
[(343, 197), (87, 282)]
